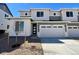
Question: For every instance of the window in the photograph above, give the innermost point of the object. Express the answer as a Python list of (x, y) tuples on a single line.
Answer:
[(69, 14), (19, 26), (78, 13), (74, 27), (40, 14), (48, 26), (54, 26), (9, 19), (43, 26), (25, 13), (6, 15), (1, 24), (69, 27), (54, 14), (7, 26), (59, 26)]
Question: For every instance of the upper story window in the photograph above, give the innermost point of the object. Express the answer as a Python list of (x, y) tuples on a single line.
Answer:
[(78, 13), (6, 15), (69, 14), (19, 26), (7, 26), (40, 14), (54, 14)]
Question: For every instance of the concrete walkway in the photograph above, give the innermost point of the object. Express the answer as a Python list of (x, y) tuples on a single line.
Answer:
[(60, 46)]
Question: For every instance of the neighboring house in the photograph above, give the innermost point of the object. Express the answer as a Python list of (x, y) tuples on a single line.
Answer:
[(4, 12), (45, 23)]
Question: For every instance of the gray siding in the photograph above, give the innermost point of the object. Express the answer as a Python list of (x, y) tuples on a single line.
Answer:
[(78, 18)]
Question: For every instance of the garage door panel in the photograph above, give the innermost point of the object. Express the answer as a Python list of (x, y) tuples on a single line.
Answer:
[(73, 31), (52, 31)]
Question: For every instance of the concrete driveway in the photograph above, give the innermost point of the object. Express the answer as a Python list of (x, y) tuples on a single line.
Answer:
[(55, 46)]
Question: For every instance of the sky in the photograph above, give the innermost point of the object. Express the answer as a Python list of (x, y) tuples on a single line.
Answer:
[(15, 7)]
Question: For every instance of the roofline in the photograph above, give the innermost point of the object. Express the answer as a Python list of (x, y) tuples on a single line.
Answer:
[(8, 9), (49, 9), (18, 18), (34, 9), (23, 10), (69, 9), (39, 8)]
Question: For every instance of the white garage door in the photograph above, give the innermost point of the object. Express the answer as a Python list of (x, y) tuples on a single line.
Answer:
[(51, 31), (73, 31)]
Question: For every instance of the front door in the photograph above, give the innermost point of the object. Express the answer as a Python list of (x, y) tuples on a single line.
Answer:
[(34, 30)]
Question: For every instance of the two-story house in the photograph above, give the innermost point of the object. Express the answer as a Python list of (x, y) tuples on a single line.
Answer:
[(4, 12), (44, 22)]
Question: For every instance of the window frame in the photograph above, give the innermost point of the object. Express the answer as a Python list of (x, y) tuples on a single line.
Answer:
[(78, 13), (6, 15), (74, 27), (18, 27), (69, 14), (60, 26), (8, 26), (40, 14), (54, 26), (69, 27), (43, 26), (48, 26)]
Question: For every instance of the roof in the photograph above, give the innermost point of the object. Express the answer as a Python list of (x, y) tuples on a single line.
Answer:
[(24, 10), (34, 9), (48, 9), (39, 8), (18, 17), (5, 8), (69, 9)]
